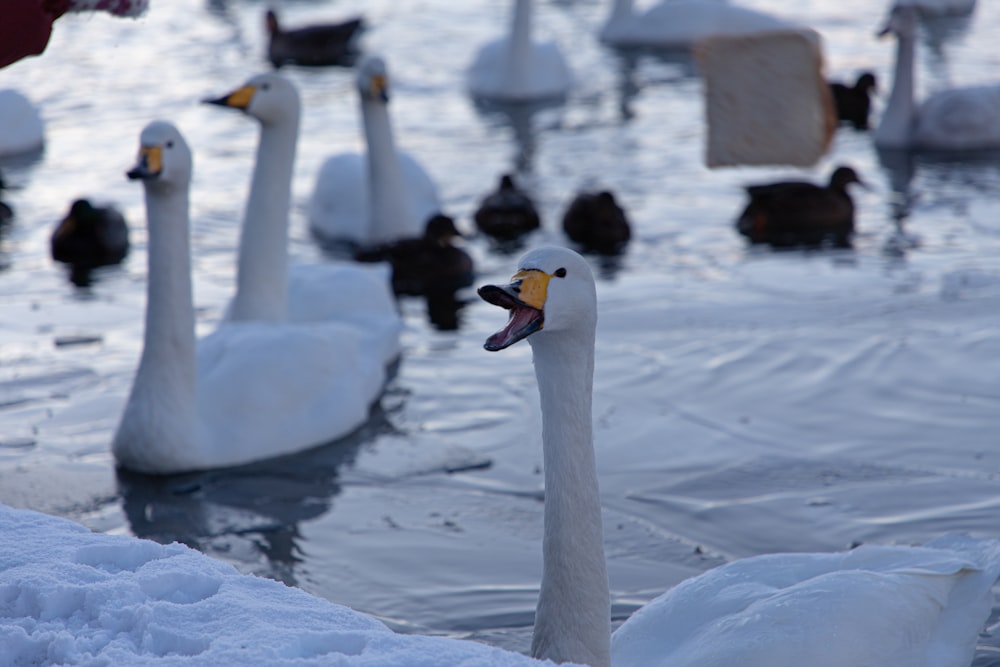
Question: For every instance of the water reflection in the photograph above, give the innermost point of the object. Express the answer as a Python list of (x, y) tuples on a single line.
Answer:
[(255, 508), (520, 117)]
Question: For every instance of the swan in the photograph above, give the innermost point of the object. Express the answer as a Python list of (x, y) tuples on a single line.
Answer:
[(21, 127), (249, 390), (790, 213), (513, 68), (382, 196), (874, 605), (266, 288), (954, 119), (938, 8), (679, 24)]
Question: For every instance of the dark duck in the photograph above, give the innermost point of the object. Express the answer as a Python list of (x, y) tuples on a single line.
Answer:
[(799, 213), (507, 213), (596, 222), (88, 237), (321, 45), (853, 103), (426, 265)]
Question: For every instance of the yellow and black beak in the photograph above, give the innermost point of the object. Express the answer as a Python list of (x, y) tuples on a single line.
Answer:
[(150, 163), (238, 99), (524, 299)]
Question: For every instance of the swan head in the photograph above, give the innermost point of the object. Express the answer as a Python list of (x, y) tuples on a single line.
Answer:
[(164, 157), (553, 291), (902, 21), (373, 79), (268, 97)]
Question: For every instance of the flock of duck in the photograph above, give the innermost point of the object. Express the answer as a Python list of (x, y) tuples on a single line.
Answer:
[(303, 351)]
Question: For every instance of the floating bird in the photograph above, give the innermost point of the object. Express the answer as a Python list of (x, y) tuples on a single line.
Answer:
[(249, 390), (383, 195), (6, 212), (854, 102), (790, 213), (596, 222), (951, 119), (21, 127), (88, 237), (679, 24), (875, 605), (267, 289), (941, 8), (426, 265), (514, 68), (312, 46), (507, 213)]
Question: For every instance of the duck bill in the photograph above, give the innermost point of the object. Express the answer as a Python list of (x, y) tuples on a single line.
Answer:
[(523, 320)]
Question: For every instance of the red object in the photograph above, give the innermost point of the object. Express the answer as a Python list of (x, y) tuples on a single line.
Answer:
[(26, 26)]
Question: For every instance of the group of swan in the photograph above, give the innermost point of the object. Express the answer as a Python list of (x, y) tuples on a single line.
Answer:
[(302, 354), (875, 605)]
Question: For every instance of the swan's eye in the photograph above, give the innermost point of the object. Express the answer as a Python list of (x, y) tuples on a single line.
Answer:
[(170, 144), (560, 273)]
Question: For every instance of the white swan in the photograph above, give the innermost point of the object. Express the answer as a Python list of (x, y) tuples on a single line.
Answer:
[(249, 390), (514, 68), (21, 127), (266, 289), (954, 119), (679, 24), (381, 196), (891, 606), (938, 8)]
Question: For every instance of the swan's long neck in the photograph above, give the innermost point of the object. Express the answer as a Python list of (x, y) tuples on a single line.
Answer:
[(262, 273), (387, 197), (572, 623), (896, 127), (517, 60)]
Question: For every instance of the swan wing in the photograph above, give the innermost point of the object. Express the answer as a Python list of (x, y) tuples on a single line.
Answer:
[(960, 118), (887, 606)]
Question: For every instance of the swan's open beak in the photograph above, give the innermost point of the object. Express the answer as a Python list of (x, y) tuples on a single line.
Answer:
[(150, 163), (524, 298), (238, 99)]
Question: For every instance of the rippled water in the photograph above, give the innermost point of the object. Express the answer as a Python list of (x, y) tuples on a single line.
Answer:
[(746, 402)]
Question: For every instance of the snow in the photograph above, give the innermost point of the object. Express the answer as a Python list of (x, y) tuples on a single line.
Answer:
[(70, 596)]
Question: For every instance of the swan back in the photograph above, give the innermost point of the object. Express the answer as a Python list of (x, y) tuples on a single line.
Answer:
[(21, 127)]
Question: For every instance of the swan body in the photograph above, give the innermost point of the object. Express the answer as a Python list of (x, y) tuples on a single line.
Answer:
[(514, 68), (21, 127), (936, 8), (953, 119), (249, 390), (266, 288), (679, 24), (381, 196), (875, 605)]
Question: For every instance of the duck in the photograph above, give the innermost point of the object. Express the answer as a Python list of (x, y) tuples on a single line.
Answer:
[(596, 222), (6, 210), (873, 605), (428, 264), (246, 392), (680, 24), (312, 46), (507, 213), (22, 129), (854, 102), (516, 69), (382, 195), (267, 288), (791, 213), (942, 8), (955, 119), (88, 237)]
